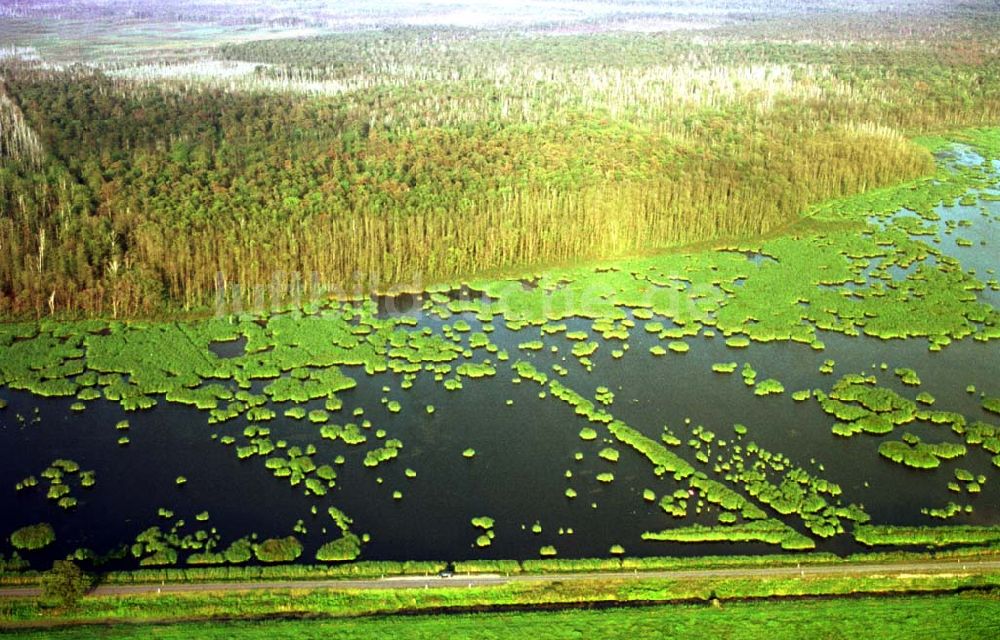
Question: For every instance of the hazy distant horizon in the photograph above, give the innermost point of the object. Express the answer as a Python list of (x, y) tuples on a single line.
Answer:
[(92, 31), (460, 13)]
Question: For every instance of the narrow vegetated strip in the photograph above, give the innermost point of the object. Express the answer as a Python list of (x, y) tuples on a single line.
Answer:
[(873, 535), (768, 531)]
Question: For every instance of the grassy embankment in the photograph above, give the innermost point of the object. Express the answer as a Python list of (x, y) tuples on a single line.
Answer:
[(967, 617), (352, 603)]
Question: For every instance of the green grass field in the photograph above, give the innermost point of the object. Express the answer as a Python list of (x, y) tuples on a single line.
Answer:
[(967, 616)]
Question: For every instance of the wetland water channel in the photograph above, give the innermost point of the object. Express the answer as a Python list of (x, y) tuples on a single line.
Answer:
[(524, 445)]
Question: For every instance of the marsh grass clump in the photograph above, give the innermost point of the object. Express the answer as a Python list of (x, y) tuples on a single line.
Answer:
[(33, 537), (964, 475), (469, 453), (609, 454), (861, 406), (239, 551), (343, 549), (318, 416), (914, 453), (88, 394), (476, 370), (907, 376), (768, 387), (273, 550), (88, 479), (992, 404), (527, 371), (675, 504), (950, 510), (604, 396), (584, 349), (724, 367)]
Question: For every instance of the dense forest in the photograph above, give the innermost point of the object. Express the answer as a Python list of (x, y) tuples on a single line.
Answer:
[(415, 155)]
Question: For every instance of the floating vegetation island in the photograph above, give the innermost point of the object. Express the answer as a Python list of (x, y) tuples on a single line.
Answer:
[(337, 406)]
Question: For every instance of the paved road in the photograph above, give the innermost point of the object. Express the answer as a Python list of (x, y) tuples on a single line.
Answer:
[(898, 569)]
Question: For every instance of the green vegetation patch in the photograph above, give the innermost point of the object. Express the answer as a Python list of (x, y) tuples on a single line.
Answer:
[(920, 455), (768, 387), (768, 531), (343, 549), (32, 537), (272, 550), (939, 536), (609, 454)]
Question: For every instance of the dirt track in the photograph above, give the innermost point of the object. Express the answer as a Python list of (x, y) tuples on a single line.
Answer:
[(932, 567)]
